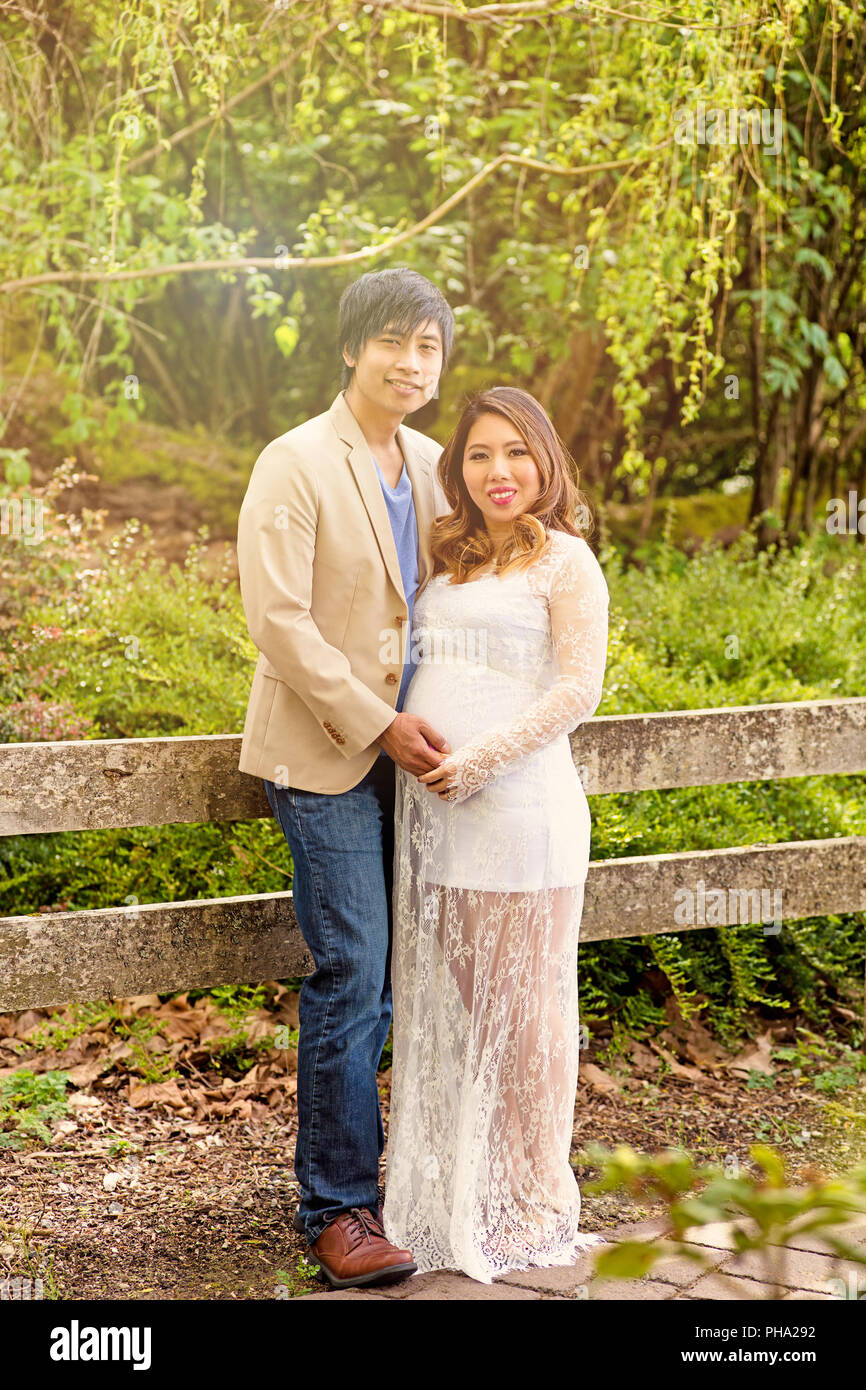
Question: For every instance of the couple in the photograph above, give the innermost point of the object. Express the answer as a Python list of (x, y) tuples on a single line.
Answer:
[(425, 785)]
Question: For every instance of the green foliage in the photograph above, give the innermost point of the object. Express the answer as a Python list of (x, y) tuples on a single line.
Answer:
[(81, 1018), (302, 1279), (28, 1105), (119, 1148), (767, 1215), (136, 1032), (729, 627), (151, 1067), (16, 469), (811, 1055), (236, 1050), (328, 129)]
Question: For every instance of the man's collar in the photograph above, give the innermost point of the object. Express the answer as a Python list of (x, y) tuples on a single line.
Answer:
[(349, 430), (345, 424)]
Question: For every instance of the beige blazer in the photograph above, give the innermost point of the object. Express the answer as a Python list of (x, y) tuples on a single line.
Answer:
[(324, 601)]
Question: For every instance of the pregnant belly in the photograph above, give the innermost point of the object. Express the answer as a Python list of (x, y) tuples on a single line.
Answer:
[(462, 702), (528, 827)]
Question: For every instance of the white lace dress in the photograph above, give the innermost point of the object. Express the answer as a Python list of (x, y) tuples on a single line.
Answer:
[(487, 904)]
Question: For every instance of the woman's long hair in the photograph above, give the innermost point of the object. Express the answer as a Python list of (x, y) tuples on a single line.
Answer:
[(459, 541)]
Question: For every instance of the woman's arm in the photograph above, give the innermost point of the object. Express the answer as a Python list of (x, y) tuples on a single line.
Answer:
[(578, 599)]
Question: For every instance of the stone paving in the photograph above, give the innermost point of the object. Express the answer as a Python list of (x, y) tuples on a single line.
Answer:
[(805, 1270)]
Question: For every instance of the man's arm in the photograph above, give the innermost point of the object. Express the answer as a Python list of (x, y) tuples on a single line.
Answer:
[(276, 547), (412, 743)]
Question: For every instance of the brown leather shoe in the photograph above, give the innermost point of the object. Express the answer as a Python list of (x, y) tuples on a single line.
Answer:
[(353, 1249)]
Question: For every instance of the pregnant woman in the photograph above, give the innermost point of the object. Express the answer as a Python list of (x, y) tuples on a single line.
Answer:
[(491, 857)]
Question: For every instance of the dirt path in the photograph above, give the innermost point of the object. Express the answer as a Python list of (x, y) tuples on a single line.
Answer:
[(183, 1189)]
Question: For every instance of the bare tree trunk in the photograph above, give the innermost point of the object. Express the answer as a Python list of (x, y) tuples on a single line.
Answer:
[(765, 495), (816, 427), (647, 513), (801, 436), (757, 502), (220, 394), (861, 492), (566, 387)]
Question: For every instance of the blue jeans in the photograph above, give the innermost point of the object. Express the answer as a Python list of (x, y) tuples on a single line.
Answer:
[(343, 851)]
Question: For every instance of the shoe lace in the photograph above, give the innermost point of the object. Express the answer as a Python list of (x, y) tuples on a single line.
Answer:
[(362, 1223)]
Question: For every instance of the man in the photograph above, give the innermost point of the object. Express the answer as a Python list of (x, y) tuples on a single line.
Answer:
[(332, 549)]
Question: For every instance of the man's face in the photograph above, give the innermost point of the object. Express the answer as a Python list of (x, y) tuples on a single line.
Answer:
[(398, 372)]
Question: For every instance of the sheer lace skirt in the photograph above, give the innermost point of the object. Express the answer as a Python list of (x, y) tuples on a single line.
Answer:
[(485, 1062)]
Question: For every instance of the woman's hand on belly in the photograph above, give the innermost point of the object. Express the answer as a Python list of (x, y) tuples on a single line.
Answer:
[(441, 780)]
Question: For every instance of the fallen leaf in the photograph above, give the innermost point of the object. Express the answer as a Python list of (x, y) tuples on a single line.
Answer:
[(596, 1078), (140, 1002), (180, 1027), (701, 1047), (77, 1051), (754, 1057), (27, 1022), (85, 1072), (688, 1073), (643, 1060), (84, 1103), (261, 1028), (160, 1093)]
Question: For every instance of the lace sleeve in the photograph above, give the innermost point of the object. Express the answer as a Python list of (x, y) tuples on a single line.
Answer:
[(578, 604)]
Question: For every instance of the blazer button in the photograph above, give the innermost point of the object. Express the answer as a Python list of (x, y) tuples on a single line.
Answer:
[(390, 679), (399, 618)]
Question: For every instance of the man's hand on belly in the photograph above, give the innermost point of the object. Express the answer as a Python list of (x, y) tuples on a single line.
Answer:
[(413, 744)]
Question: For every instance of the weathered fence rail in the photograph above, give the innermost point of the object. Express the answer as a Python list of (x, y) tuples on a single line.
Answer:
[(62, 957)]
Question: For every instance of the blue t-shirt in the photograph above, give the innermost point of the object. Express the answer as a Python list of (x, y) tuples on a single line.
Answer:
[(404, 526)]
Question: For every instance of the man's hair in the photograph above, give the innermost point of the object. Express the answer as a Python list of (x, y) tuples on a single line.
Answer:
[(397, 298)]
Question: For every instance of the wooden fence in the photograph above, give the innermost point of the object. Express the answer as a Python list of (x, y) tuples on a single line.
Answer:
[(61, 957)]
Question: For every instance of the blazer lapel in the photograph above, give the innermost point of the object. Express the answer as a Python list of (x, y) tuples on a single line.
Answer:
[(364, 471)]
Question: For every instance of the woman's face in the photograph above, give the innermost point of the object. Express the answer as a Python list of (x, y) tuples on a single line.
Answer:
[(500, 474)]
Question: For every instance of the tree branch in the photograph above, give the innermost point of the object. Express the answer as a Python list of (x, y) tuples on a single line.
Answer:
[(540, 9), (60, 277), (167, 144)]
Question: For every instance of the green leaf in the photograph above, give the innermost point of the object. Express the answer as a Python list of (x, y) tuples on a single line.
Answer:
[(522, 358), (835, 372), (807, 255), (627, 1260), (286, 336), (815, 335), (771, 1162)]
